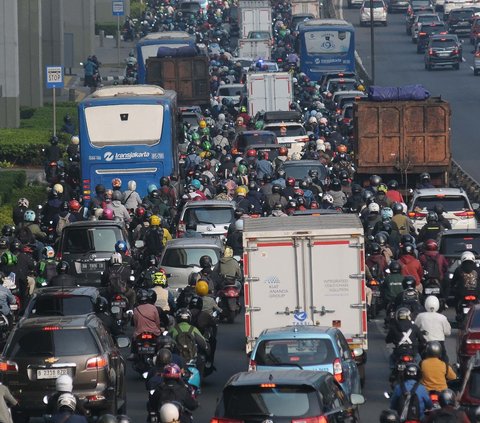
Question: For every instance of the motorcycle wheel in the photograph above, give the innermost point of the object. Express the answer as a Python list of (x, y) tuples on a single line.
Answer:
[(231, 316)]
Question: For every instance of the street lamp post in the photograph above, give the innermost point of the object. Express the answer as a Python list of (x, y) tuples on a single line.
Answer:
[(372, 43)]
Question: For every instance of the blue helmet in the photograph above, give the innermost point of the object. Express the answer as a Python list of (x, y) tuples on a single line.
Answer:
[(151, 188), (121, 246), (196, 183)]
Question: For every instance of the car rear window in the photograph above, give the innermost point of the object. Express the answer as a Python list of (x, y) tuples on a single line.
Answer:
[(341, 85), (50, 341), (278, 401), (428, 18), (300, 172), (455, 245), (474, 384), (443, 43), (90, 240), (209, 215), (187, 257), (461, 14), (301, 352), (245, 140), (433, 29), (230, 91), (62, 305), (292, 131), (190, 118), (421, 3), (450, 203), (259, 35)]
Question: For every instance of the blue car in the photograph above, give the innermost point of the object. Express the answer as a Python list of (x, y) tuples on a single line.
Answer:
[(314, 348)]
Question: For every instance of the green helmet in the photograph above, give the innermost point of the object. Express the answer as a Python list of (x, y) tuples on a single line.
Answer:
[(9, 259), (195, 136), (259, 125), (242, 170), (206, 131), (206, 146)]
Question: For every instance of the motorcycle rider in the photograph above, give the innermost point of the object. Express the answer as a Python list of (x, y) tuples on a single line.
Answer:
[(411, 266), (169, 413), (435, 266), (411, 383), (235, 238), (173, 389), (64, 385), (102, 312), (6, 297), (209, 304), (425, 181), (23, 268), (403, 222), (46, 268), (63, 279), (442, 220), (392, 286), (165, 301), (435, 326), (393, 193), (448, 411), (19, 210), (228, 266), (66, 405), (410, 297), (431, 229), (131, 199), (435, 372), (466, 279), (119, 210), (153, 237), (116, 278), (376, 261)]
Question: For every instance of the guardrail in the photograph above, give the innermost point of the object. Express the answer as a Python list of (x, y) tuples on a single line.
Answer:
[(458, 177)]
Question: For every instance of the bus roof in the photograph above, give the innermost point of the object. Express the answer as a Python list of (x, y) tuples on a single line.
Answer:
[(325, 22), (166, 34), (127, 90)]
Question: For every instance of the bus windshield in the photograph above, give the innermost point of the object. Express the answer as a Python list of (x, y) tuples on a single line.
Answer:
[(327, 42), (124, 123)]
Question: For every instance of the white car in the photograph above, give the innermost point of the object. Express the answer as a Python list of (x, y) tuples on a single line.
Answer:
[(291, 133), (458, 209), (231, 92), (379, 12)]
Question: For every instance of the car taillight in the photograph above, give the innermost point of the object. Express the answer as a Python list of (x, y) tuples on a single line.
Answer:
[(118, 298), (422, 34), (407, 358), (8, 366), (417, 215), (181, 228), (434, 397), (98, 362), (252, 366), (338, 370), (467, 214), (221, 420), (319, 419), (50, 328), (472, 344), (373, 282), (431, 52), (86, 189)]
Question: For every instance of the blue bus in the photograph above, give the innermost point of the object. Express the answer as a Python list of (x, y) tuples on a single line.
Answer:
[(148, 47), (326, 45), (129, 132)]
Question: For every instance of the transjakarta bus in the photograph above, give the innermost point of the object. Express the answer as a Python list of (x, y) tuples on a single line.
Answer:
[(326, 45), (129, 132), (148, 47)]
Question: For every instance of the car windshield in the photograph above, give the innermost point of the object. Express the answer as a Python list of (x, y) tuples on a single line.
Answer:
[(461, 14), (245, 140), (277, 401), (226, 91), (51, 341), (421, 3), (455, 245), (289, 131), (62, 305), (302, 352), (474, 384), (300, 172), (90, 240), (450, 203), (443, 43), (185, 257), (206, 215), (428, 18), (191, 119)]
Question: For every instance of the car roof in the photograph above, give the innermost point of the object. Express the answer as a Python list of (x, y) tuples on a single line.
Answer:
[(79, 321), (444, 37), (256, 132), (194, 242), (303, 163), (453, 232), (94, 223), (272, 124), (207, 203), (293, 331), (437, 191), (279, 377), (73, 290), (232, 85)]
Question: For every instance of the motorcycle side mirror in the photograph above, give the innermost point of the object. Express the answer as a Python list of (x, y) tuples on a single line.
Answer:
[(151, 392), (123, 341), (475, 206), (115, 309), (357, 399), (386, 395), (144, 375), (45, 399)]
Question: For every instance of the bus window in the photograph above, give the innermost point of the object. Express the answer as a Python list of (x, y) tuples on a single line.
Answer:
[(327, 42)]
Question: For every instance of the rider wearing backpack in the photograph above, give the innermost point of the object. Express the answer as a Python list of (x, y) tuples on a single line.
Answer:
[(46, 268), (410, 398), (449, 413), (435, 265)]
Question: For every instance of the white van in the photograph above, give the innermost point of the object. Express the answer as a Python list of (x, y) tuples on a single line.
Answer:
[(450, 5)]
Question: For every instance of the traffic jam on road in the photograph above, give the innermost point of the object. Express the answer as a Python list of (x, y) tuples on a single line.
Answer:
[(246, 232)]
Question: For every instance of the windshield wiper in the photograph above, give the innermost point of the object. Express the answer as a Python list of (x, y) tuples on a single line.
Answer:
[(207, 223)]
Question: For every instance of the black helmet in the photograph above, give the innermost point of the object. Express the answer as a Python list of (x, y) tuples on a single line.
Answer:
[(395, 267), (107, 418), (152, 296), (142, 296), (409, 282), (412, 371), (432, 217), (183, 315), (375, 180), (336, 185), (164, 181), (62, 267), (239, 212), (15, 245), (424, 177), (100, 189), (252, 186), (196, 303), (117, 195), (438, 208), (64, 206), (407, 239), (267, 178), (152, 260), (163, 357), (205, 261), (356, 189), (392, 184), (408, 248), (155, 194), (164, 341), (381, 238), (433, 349), (276, 189), (343, 175), (375, 248), (397, 208), (447, 397), (101, 305), (389, 416), (366, 195), (3, 243), (7, 230)]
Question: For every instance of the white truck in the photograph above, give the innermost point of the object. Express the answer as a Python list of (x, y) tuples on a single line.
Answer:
[(254, 16), (256, 49), (269, 92), (304, 7), (305, 270)]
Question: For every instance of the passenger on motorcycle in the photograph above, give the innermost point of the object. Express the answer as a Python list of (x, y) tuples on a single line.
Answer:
[(117, 278), (376, 262), (209, 303), (66, 405), (153, 237), (435, 372), (449, 411), (410, 297), (63, 385)]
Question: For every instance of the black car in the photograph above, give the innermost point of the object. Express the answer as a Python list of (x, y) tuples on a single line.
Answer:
[(414, 9), (299, 169), (460, 21), (426, 31), (443, 50), (285, 396)]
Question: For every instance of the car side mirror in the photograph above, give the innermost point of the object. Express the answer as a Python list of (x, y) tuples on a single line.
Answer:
[(357, 399), (122, 341)]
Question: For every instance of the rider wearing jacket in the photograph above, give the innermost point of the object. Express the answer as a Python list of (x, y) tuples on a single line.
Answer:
[(435, 372)]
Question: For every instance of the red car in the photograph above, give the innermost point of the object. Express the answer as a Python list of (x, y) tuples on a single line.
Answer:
[(468, 341), (470, 392)]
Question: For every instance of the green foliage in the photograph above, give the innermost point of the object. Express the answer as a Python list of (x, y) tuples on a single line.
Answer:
[(136, 9), (36, 194), (6, 214), (110, 28), (11, 180)]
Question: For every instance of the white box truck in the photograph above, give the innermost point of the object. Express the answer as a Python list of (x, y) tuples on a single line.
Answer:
[(269, 92), (304, 7), (255, 49), (305, 270), (254, 16)]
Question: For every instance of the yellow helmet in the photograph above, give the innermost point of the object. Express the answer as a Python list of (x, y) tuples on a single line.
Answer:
[(58, 188), (202, 124), (154, 220), (159, 278), (201, 288), (241, 191), (228, 252), (361, 88)]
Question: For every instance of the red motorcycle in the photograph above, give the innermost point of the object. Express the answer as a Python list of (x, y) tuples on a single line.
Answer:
[(228, 299)]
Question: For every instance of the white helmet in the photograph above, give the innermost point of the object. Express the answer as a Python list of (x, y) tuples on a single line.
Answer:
[(64, 383), (374, 208), (132, 185), (116, 258), (312, 120), (67, 400), (296, 156), (221, 117), (239, 225), (75, 140), (327, 198), (467, 256), (169, 413), (432, 304)]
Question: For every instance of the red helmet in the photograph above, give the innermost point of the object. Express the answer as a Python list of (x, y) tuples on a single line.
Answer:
[(251, 153), (299, 192), (74, 206), (282, 151), (171, 371), (139, 212), (314, 205), (107, 214), (116, 183), (290, 181), (431, 245)]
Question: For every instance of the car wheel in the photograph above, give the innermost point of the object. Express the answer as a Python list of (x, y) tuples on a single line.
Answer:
[(456, 66), (475, 72)]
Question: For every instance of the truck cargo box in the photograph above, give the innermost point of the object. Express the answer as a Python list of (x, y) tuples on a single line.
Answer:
[(254, 16), (269, 91), (402, 136), (256, 49), (301, 7), (305, 270)]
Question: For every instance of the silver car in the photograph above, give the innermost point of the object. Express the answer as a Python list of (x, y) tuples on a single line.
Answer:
[(476, 60)]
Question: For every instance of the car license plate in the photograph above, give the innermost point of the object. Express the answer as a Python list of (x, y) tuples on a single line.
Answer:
[(376, 293), (51, 373), (14, 307), (146, 350), (97, 266), (444, 53), (430, 291), (119, 304), (466, 310)]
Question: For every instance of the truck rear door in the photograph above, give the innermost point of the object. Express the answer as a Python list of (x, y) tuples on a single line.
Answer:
[(269, 92)]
